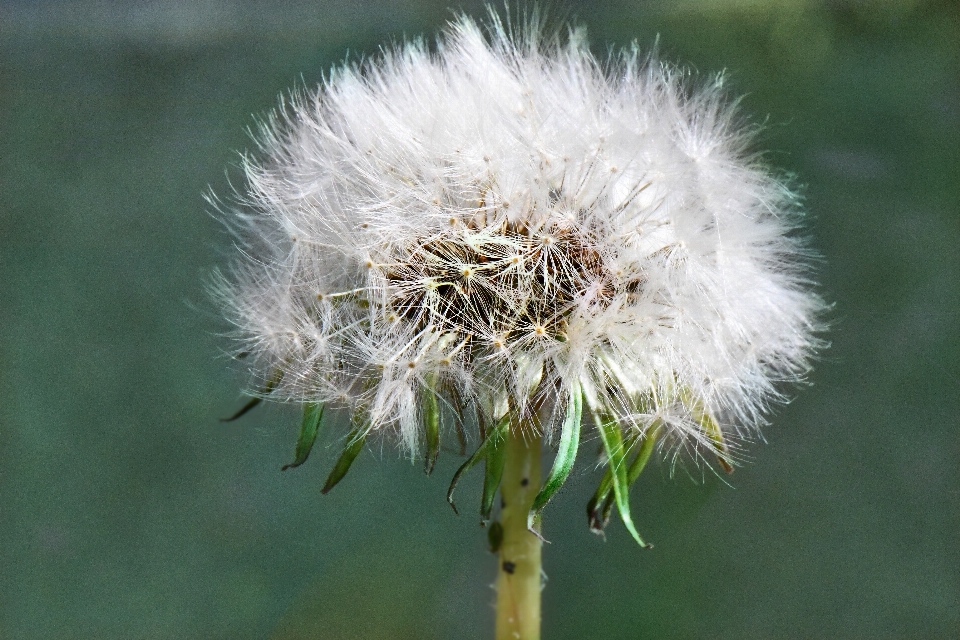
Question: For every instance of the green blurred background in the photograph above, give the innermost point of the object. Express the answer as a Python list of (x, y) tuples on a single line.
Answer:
[(128, 511)]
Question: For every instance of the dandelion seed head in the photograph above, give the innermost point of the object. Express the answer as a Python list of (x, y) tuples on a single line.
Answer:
[(508, 211)]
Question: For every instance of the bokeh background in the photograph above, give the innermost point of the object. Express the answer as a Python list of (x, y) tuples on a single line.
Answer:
[(128, 511)]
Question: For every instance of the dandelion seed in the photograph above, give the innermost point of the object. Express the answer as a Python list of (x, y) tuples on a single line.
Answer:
[(653, 279)]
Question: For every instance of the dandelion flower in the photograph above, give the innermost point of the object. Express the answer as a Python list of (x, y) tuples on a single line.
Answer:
[(503, 238)]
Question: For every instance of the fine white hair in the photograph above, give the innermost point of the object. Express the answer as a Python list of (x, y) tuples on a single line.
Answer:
[(506, 217)]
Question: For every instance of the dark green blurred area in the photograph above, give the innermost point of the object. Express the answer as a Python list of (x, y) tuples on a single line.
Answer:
[(128, 511)]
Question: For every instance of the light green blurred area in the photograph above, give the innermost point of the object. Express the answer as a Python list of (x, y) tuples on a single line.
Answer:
[(128, 511)]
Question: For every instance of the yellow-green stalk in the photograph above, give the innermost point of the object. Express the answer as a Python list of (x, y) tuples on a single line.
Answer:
[(518, 578)]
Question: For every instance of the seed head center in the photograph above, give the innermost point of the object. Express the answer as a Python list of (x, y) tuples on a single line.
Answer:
[(477, 283)]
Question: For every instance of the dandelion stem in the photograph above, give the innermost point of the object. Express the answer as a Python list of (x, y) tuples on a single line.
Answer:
[(518, 579)]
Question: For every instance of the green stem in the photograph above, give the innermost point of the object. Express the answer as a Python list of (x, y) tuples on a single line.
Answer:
[(518, 579)]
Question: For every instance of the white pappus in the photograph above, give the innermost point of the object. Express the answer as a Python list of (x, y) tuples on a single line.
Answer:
[(504, 220)]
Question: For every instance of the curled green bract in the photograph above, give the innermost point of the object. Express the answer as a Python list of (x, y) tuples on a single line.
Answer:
[(494, 439), (601, 504), (616, 456), (710, 427), (355, 442), (431, 425), (268, 388), (309, 426), (563, 463)]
